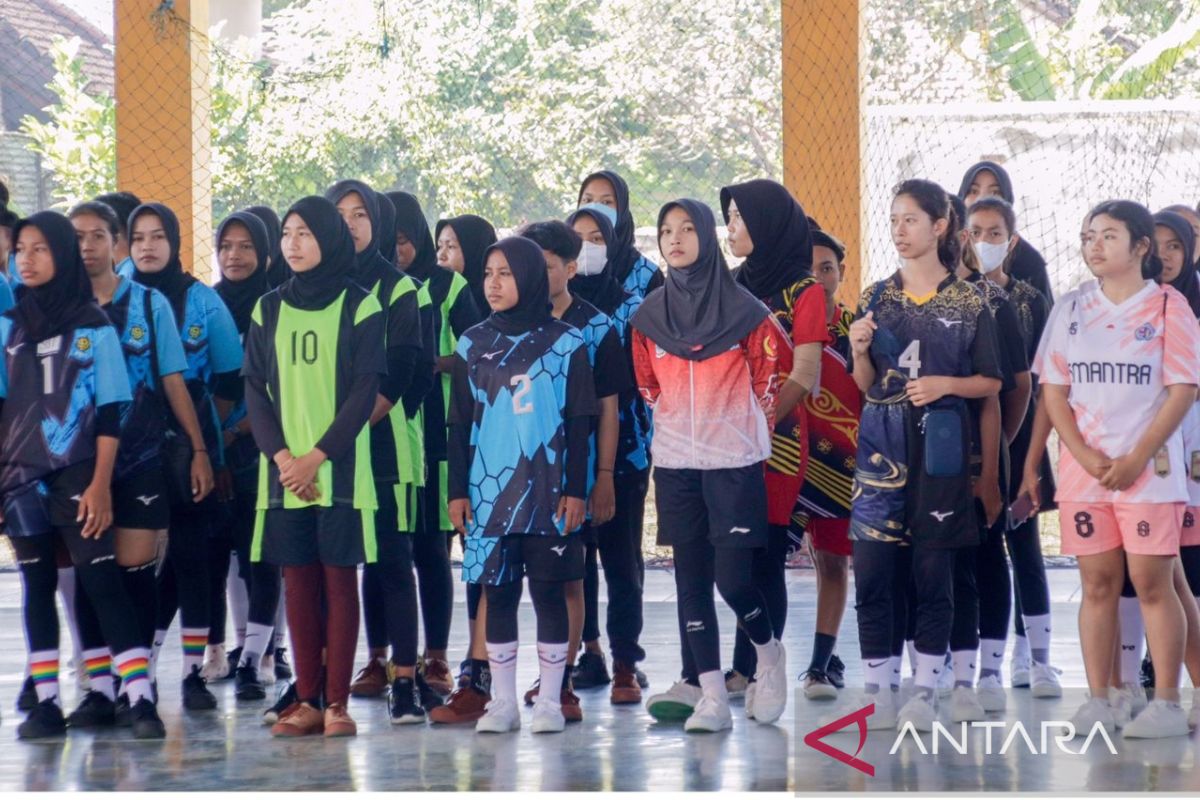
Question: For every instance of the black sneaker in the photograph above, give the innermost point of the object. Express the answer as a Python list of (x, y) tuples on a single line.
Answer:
[(283, 670), (642, 680), (145, 721), (590, 672), (430, 698), (96, 711), (249, 687), (836, 672), (122, 717), (45, 721), (27, 699), (289, 696), (817, 686), (196, 696), (1147, 675), (235, 658), (404, 706)]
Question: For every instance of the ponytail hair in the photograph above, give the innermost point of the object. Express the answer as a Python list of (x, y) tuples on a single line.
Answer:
[(935, 202), (1140, 224)]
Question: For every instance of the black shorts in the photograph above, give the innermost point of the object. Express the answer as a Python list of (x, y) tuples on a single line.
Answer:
[(51, 506), (140, 500), (728, 507), (338, 536), (557, 559)]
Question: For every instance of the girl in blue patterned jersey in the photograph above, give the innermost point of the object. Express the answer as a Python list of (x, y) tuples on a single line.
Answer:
[(636, 273)]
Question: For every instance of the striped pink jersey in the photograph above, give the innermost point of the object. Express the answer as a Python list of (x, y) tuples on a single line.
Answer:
[(1117, 361)]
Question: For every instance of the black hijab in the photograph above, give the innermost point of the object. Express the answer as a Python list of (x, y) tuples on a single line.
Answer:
[(528, 264), (475, 236), (64, 302), (370, 265), (622, 252), (410, 221), (240, 296), (1187, 282), (601, 290), (1002, 178), (387, 228), (278, 270), (700, 311), (171, 280), (321, 285), (780, 231)]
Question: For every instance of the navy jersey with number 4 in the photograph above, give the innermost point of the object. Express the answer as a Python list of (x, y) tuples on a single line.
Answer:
[(51, 390), (517, 392)]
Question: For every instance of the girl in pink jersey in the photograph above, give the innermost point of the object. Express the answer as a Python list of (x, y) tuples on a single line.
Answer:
[(1119, 364)]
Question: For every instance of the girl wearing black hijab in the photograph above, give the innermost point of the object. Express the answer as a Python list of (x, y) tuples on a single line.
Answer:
[(986, 179), (520, 419), (635, 273), (461, 243), (707, 358), (62, 383), (770, 230), (314, 356), (214, 355), (389, 588), (451, 312), (243, 253), (277, 268)]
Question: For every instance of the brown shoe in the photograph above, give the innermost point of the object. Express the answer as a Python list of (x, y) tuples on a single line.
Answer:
[(299, 719), (531, 695), (437, 676), (625, 688), (338, 721), (465, 704), (371, 680), (570, 706)]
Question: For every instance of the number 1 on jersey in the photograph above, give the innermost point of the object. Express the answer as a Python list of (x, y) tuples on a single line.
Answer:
[(911, 358)]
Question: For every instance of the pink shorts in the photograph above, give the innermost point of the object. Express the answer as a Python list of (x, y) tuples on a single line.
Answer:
[(1147, 529), (1191, 527)]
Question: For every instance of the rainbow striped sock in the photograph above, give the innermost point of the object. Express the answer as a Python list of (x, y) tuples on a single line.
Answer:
[(194, 640), (98, 664), (43, 668), (133, 666)]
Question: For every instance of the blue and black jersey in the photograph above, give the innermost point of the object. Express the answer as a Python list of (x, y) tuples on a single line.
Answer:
[(633, 450), (150, 343), (52, 390), (212, 347), (454, 312), (643, 278), (520, 418)]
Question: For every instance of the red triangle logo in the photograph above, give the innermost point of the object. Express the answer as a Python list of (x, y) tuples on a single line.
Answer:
[(814, 738)]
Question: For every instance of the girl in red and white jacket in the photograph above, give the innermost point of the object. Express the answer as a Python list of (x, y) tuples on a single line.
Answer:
[(709, 359)]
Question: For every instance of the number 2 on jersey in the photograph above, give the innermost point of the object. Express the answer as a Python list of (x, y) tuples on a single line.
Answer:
[(524, 386), (911, 358)]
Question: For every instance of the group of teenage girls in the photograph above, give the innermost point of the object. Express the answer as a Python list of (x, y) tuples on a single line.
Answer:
[(359, 392)]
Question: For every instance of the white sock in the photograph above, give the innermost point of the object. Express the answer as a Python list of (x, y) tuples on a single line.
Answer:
[(878, 671), (552, 666), (897, 665), (239, 600), (502, 659), (1021, 648), (1133, 638), (768, 654), (98, 664), (131, 666), (713, 684), (257, 638), (66, 588), (911, 647), (43, 666), (963, 663), (929, 667), (991, 656), (160, 636), (1037, 628)]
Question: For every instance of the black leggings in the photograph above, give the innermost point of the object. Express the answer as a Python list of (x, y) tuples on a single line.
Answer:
[(549, 606), (390, 598), (431, 557), (1190, 556), (770, 575), (698, 565), (99, 577), (188, 553), (619, 549), (1032, 595), (881, 575)]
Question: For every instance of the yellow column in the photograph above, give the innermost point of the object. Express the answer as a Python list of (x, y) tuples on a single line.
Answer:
[(163, 134), (822, 121)]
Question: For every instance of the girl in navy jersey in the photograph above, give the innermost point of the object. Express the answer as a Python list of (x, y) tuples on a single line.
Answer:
[(635, 273)]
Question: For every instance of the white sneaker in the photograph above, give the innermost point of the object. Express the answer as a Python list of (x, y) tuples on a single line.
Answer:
[(748, 703), (965, 706), (711, 715), (1120, 702), (1194, 713), (547, 716), (770, 696), (736, 684), (266, 672), (1137, 694), (883, 718), (1093, 711), (1019, 669), (945, 681), (216, 664), (675, 704), (920, 712), (991, 694), (501, 716), (1159, 720), (1044, 681)]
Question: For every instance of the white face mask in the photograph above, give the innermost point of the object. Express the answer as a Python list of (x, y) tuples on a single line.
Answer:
[(592, 259), (991, 256)]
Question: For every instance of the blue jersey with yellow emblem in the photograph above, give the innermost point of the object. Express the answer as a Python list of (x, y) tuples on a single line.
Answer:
[(212, 346)]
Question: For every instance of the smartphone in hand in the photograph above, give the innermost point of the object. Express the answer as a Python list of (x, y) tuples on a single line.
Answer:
[(1020, 510)]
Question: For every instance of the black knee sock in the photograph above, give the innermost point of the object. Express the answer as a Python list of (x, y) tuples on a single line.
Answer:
[(140, 586), (823, 645)]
